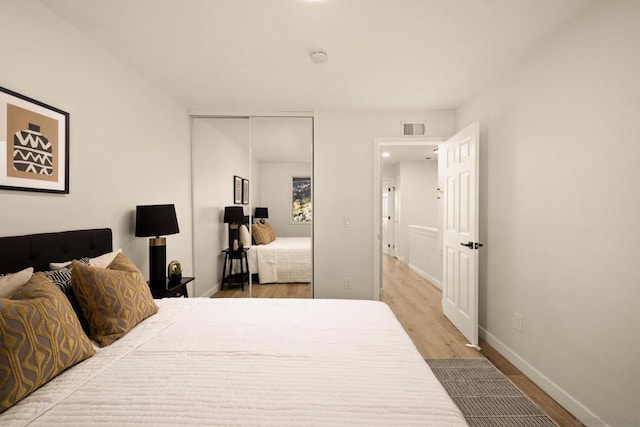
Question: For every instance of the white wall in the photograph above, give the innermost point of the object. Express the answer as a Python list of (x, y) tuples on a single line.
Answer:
[(216, 159), (129, 142), (418, 199), (425, 254), (560, 210), (343, 187)]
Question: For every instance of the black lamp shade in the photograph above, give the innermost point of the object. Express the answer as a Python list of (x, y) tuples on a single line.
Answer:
[(156, 220), (234, 214), (262, 213)]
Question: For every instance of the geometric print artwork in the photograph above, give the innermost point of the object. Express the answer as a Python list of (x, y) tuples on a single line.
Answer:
[(40, 337), (114, 300), (32, 151), (33, 141), (34, 145)]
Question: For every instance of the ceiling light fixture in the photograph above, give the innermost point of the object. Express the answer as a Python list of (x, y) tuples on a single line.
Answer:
[(319, 56)]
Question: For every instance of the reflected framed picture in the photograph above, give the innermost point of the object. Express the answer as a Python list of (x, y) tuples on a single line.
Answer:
[(245, 191), (34, 145), (301, 200), (237, 190)]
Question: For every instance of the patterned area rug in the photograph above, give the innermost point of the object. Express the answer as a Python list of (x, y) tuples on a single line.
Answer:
[(485, 396)]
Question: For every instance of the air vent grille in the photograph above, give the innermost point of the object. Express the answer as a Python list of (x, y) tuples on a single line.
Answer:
[(413, 128)]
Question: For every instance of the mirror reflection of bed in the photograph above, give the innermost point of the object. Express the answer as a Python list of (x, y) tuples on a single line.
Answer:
[(274, 155)]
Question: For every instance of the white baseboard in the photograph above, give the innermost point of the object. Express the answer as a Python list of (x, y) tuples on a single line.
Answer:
[(578, 410), (210, 292), (427, 276)]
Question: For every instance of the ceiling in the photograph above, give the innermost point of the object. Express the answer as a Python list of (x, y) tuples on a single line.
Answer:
[(403, 153), (271, 139), (253, 55)]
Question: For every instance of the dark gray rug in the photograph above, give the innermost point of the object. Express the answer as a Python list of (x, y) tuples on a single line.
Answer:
[(485, 396)]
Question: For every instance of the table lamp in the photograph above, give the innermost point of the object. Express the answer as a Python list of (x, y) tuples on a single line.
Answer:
[(234, 216), (261, 214), (156, 220)]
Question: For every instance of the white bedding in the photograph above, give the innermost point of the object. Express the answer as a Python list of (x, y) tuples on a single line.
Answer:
[(285, 260), (239, 362)]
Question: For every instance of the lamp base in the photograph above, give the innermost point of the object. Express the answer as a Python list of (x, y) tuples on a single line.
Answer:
[(234, 234), (157, 263)]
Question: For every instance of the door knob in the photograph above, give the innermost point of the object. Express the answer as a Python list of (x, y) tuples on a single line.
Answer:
[(468, 245)]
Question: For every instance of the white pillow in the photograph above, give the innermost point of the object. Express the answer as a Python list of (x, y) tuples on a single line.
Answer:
[(59, 265), (10, 283), (245, 237), (101, 261)]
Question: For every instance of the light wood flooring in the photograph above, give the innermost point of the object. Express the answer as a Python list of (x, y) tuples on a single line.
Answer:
[(271, 290), (417, 304)]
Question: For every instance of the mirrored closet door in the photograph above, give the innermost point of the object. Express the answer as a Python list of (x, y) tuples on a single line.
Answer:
[(252, 192)]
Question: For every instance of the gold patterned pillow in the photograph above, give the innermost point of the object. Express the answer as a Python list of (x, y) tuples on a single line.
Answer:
[(260, 234), (40, 336), (113, 299)]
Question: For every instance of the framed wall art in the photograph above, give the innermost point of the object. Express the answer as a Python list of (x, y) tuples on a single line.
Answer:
[(237, 190), (245, 191), (301, 200), (34, 145)]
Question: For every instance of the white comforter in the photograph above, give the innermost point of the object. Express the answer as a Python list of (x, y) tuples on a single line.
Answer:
[(285, 260), (239, 362)]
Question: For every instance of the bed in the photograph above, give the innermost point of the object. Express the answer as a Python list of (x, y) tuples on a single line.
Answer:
[(284, 260), (236, 362)]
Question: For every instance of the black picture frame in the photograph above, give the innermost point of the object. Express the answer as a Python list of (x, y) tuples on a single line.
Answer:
[(237, 190), (245, 191), (25, 122)]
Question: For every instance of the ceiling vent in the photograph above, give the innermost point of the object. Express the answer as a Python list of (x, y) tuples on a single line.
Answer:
[(413, 128)]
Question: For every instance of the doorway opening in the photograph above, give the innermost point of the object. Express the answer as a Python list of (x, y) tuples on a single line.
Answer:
[(454, 193), (408, 204)]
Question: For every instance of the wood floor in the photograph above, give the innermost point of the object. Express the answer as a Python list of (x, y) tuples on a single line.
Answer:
[(272, 290), (417, 304)]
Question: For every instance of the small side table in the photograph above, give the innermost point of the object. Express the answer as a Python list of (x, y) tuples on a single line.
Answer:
[(229, 257), (173, 290)]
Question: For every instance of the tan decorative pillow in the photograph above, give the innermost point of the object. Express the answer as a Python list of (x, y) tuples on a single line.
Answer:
[(10, 283), (40, 336), (113, 299), (260, 234), (269, 228)]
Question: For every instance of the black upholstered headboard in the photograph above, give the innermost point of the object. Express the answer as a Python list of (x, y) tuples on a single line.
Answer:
[(38, 250)]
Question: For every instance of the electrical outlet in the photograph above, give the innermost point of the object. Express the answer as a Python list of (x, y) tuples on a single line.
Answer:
[(347, 282), (518, 322)]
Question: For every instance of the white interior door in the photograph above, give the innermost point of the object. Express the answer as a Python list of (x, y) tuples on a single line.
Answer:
[(458, 174), (386, 216), (394, 207)]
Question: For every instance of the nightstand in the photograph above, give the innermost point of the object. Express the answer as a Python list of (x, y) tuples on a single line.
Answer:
[(173, 290), (235, 278)]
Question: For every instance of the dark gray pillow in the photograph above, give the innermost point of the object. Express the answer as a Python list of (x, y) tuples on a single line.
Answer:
[(62, 279)]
